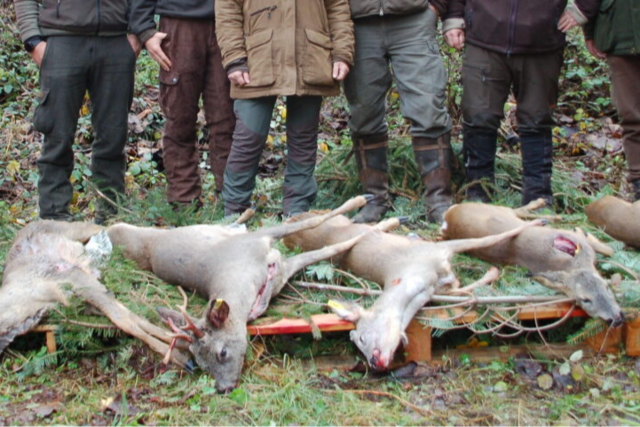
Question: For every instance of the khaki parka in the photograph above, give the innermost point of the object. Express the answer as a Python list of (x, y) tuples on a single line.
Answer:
[(289, 45)]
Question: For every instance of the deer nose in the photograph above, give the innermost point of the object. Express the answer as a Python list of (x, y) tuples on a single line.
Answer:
[(619, 320), (227, 390)]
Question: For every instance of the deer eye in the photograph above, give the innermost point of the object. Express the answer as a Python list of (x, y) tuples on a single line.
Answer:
[(585, 301), (223, 354), (361, 339)]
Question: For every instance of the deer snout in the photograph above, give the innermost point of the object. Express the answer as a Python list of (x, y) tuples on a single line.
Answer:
[(378, 362), (616, 321), (227, 390)]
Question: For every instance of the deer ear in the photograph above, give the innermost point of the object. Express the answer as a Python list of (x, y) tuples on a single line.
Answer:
[(218, 312), (347, 310), (552, 279)]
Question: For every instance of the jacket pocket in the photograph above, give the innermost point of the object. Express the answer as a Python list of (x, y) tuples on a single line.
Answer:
[(317, 65), (43, 118), (606, 27), (260, 58)]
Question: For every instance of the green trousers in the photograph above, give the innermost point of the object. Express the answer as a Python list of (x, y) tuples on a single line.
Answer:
[(253, 117)]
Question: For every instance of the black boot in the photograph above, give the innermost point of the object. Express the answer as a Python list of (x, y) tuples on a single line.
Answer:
[(371, 158), (433, 158), (537, 159), (479, 152)]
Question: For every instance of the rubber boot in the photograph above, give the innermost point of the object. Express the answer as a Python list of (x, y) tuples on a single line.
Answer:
[(433, 158), (537, 159), (371, 158), (479, 152)]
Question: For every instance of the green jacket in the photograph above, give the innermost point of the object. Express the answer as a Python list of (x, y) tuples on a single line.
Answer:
[(71, 17), (616, 28)]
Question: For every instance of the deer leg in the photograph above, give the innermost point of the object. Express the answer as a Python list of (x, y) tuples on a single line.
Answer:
[(280, 231), (464, 245), (92, 291), (298, 262)]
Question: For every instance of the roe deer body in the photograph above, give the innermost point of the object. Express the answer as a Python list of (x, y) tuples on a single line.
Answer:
[(618, 218), (238, 273), (560, 259), (47, 265), (409, 270)]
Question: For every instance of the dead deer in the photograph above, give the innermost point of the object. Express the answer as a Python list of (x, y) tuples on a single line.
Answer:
[(410, 271), (236, 271), (47, 265), (617, 218), (560, 259)]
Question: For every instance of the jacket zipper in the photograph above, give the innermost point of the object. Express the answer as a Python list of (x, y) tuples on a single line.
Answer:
[(264, 9), (512, 25), (58, 10), (99, 17)]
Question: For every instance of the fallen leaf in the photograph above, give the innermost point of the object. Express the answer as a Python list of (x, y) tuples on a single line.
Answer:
[(576, 356), (500, 387), (44, 411), (545, 381), (577, 372)]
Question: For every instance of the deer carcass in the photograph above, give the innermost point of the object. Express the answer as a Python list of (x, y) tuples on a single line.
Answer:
[(560, 259), (237, 272), (409, 270), (45, 266), (617, 218)]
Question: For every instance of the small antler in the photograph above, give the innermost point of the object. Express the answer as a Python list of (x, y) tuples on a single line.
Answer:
[(190, 326)]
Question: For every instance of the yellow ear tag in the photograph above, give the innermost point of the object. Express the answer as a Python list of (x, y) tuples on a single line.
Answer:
[(335, 305), (218, 304)]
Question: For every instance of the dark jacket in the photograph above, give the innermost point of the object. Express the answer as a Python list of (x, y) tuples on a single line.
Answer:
[(143, 11), (363, 8), (515, 26), (616, 28), (71, 17)]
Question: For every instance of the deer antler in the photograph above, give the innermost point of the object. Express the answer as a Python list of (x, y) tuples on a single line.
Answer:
[(190, 326)]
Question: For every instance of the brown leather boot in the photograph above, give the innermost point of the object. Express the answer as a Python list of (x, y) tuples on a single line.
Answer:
[(371, 158), (433, 158)]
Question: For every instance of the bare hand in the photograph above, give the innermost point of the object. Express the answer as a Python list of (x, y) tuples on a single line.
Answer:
[(38, 53), (591, 46), (154, 47), (239, 78), (134, 41), (455, 38), (340, 70), (567, 22)]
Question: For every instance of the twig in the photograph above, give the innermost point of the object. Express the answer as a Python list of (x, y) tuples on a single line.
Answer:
[(320, 286), (627, 270), (359, 281)]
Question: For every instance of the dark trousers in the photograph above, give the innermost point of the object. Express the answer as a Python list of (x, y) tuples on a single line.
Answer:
[(625, 72), (487, 78), (252, 128), (196, 72), (73, 65)]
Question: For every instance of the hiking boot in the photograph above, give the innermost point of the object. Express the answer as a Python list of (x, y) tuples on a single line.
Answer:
[(479, 152), (433, 158), (371, 158)]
